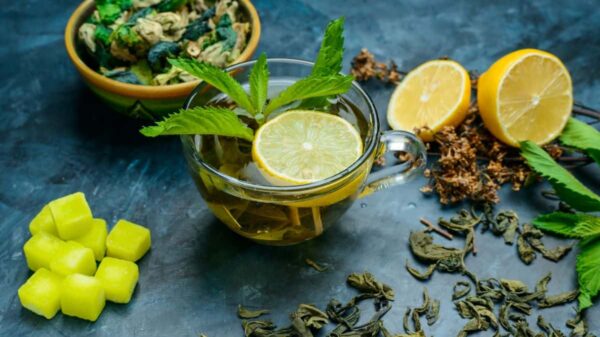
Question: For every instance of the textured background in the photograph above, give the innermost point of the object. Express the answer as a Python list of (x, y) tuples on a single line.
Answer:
[(57, 138)]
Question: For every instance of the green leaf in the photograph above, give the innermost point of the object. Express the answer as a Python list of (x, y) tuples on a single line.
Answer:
[(329, 59), (259, 83), (170, 5), (102, 34), (142, 70), (582, 136), (160, 52), (568, 188), (311, 86), (588, 226), (126, 36), (225, 32), (558, 223), (588, 273), (218, 78), (201, 121), (582, 226), (110, 10)]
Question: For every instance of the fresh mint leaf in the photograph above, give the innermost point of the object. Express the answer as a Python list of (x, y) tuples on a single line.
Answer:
[(259, 83), (568, 188), (558, 223), (582, 136), (329, 59), (308, 87), (579, 225), (588, 273), (201, 121), (218, 78), (588, 227)]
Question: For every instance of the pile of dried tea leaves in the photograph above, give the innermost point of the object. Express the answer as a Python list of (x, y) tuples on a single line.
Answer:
[(308, 319), (515, 302), (505, 223), (513, 297)]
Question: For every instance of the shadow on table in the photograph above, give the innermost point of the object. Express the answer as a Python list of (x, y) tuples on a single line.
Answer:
[(97, 121), (232, 264)]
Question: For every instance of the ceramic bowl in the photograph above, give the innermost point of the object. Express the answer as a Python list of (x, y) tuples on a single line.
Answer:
[(143, 101)]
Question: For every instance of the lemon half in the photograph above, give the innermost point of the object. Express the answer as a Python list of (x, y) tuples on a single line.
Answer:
[(433, 95), (525, 95)]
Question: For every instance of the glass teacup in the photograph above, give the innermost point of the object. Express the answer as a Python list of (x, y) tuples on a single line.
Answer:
[(284, 215)]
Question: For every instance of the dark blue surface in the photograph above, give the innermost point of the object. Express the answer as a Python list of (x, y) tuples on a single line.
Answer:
[(57, 138)]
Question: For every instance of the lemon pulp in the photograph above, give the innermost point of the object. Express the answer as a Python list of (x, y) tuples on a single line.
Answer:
[(433, 95), (302, 146), (526, 95)]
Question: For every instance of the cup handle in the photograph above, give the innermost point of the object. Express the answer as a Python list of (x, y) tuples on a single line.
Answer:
[(402, 156)]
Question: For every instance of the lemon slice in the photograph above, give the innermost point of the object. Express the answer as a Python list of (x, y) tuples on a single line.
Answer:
[(301, 147), (525, 95), (435, 94)]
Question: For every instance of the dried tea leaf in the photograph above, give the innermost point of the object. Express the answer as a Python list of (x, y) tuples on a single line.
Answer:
[(247, 313), (311, 316), (367, 284), (533, 237), (433, 314), (514, 286), (315, 265), (405, 321), (426, 304), (542, 285), (422, 246), (526, 252), (258, 328), (425, 275), (460, 289), (509, 222), (558, 299)]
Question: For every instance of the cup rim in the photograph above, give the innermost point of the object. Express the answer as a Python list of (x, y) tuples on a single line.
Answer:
[(369, 149)]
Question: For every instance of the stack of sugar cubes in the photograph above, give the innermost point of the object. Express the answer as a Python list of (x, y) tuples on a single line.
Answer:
[(65, 244)]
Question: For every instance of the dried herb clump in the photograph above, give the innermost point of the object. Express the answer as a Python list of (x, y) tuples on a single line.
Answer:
[(473, 164), (365, 67)]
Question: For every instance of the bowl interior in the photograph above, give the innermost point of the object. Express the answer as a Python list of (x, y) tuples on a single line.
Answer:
[(94, 78)]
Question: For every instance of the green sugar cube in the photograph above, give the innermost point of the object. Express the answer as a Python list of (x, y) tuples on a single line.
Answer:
[(41, 293), (72, 215), (128, 241), (82, 296), (74, 258), (118, 277), (40, 249), (43, 222), (95, 238)]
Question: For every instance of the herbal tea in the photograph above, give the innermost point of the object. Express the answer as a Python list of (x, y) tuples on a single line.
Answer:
[(270, 222)]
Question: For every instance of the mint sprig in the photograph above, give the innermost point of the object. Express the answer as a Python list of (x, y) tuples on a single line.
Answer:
[(585, 227), (201, 121)]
